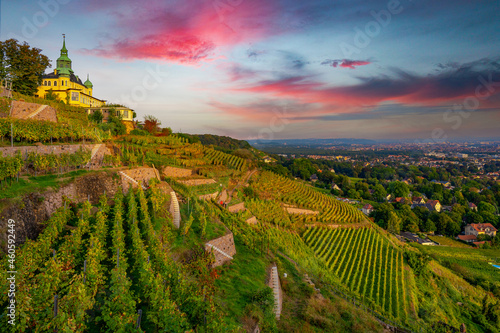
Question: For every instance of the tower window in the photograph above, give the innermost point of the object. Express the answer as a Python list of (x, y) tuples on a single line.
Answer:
[(44, 83), (55, 83), (48, 84)]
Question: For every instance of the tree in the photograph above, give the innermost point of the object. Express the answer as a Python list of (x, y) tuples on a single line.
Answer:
[(151, 124), (409, 219), (51, 96), (96, 117), (393, 223), (22, 65), (399, 189), (382, 214), (114, 124), (429, 226)]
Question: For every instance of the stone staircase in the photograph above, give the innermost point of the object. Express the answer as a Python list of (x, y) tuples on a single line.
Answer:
[(174, 209), (130, 179), (37, 111), (219, 250), (274, 283), (95, 149)]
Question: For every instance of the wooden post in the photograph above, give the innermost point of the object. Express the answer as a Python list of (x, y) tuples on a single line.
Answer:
[(55, 307), (139, 315), (84, 270)]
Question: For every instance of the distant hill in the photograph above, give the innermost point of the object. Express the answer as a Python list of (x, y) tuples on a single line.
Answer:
[(311, 142), (225, 142)]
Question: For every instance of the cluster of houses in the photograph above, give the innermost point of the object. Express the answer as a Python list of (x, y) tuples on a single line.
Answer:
[(473, 230)]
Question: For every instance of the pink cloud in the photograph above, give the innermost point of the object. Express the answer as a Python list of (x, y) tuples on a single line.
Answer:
[(346, 63), (182, 31), (458, 86)]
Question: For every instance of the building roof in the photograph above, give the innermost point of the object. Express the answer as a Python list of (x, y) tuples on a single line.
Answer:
[(368, 206), (87, 83), (472, 205), (481, 227), (433, 203), (418, 199), (72, 77), (467, 238), (414, 238)]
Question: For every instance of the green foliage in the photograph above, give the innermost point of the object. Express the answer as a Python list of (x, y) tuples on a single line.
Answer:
[(51, 96), (394, 223), (417, 261), (399, 189), (114, 124), (96, 116), (23, 65), (29, 130), (137, 131)]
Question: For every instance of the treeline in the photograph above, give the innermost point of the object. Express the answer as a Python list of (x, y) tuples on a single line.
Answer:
[(224, 142)]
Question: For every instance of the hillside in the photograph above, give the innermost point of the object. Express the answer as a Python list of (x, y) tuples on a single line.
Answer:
[(184, 238)]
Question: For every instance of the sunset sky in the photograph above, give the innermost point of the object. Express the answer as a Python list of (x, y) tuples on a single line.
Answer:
[(283, 69)]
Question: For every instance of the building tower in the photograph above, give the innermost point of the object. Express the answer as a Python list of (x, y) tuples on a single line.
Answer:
[(64, 62), (89, 85)]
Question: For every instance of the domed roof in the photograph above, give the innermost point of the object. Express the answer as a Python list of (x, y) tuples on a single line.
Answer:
[(87, 83)]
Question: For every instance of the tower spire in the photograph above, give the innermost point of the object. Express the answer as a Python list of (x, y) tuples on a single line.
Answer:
[(64, 50), (64, 62)]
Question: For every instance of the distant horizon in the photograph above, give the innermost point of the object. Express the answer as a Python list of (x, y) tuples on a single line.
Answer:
[(495, 139), (384, 69)]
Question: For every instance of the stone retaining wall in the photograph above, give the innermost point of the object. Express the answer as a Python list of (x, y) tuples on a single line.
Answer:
[(22, 110), (225, 244), (176, 172), (196, 182), (237, 208), (142, 175), (45, 149)]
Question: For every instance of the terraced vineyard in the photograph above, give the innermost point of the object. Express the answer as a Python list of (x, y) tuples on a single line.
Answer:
[(366, 263), (292, 192), (106, 272), (175, 150)]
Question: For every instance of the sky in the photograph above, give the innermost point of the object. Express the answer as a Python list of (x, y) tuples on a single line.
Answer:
[(424, 70)]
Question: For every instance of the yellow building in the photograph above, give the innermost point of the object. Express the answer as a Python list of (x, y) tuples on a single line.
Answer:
[(66, 85)]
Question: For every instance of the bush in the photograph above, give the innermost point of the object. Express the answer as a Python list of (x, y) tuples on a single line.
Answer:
[(139, 132), (417, 261)]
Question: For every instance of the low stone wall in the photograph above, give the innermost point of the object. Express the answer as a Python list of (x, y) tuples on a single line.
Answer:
[(224, 244), (140, 175), (196, 182), (172, 172), (209, 196), (300, 211), (237, 208), (45, 149), (252, 220)]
